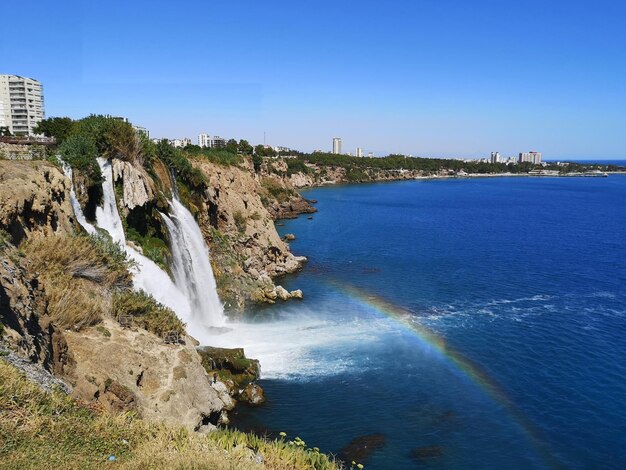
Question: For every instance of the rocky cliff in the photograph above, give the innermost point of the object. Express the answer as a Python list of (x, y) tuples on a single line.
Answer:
[(34, 200), (247, 252)]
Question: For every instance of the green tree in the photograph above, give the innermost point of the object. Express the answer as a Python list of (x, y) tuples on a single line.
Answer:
[(58, 127), (80, 152), (244, 147), (231, 146), (257, 161)]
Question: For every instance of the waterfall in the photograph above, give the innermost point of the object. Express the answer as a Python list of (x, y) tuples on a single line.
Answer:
[(78, 211), (191, 267), (147, 275), (107, 216), (193, 292)]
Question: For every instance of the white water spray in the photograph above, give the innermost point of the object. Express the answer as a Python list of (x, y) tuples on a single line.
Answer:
[(191, 267), (78, 211)]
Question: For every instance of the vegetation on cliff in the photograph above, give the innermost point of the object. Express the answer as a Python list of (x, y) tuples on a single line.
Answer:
[(47, 430)]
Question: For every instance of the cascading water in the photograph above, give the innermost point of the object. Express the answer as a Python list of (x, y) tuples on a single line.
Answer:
[(191, 267), (147, 275), (78, 211)]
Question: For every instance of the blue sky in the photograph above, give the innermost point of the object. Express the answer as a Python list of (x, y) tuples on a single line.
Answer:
[(429, 78)]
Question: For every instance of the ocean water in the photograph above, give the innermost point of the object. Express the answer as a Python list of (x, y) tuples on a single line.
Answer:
[(483, 317)]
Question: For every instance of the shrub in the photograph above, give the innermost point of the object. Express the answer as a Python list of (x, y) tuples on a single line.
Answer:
[(277, 190), (80, 152), (147, 312), (240, 221), (296, 166)]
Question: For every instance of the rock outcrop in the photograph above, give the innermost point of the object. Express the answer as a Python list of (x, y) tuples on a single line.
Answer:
[(134, 369), (137, 185), (34, 199)]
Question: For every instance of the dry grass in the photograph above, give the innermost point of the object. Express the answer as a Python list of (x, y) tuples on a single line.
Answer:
[(77, 273), (146, 312), (39, 430)]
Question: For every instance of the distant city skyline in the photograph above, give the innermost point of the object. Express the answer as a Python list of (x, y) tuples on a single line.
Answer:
[(440, 79)]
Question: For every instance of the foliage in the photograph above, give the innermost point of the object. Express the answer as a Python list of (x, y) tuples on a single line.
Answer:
[(147, 312), (50, 430), (80, 152), (5, 132), (226, 156), (153, 247), (232, 146), (244, 147), (240, 221), (177, 159), (264, 151), (58, 127), (296, 166), (277, 189), (257, 161)]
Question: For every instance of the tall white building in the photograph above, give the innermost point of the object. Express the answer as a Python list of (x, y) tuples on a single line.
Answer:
[(359, 152), (21, 104), (212, 142), (495, 157), (337, 145), (530, 157)]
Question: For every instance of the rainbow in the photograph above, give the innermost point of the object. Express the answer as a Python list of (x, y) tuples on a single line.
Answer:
[(447, 354)]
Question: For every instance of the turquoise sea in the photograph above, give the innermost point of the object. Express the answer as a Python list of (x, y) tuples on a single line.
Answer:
[(474, 323)]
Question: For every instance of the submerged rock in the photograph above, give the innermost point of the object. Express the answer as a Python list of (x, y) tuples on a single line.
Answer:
[(290, 237), (360, 448), (428, 452)]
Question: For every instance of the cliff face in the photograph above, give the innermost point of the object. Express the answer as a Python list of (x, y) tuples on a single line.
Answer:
[(247, 252), (34, 200), (25, 326)]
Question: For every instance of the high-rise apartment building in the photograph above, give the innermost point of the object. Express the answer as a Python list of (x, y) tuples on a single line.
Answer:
[(337, 146), (495, 157), (359, 152), (212, 142), (530, 157), (21, 104)]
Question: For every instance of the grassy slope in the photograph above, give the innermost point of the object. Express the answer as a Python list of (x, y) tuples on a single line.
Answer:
[(40, 430)]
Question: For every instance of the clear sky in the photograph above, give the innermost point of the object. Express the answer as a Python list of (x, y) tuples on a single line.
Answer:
[(421, 77)]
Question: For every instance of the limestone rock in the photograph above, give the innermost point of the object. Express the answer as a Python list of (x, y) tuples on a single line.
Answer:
[(282, 293), (296, 294), (253, 394), (137, 188), (27, 330), (137, 369), (34, 200), (289, 237)]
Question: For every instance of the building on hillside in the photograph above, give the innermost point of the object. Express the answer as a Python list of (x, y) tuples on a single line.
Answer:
[(359, 152), (495, 157), (142, 131), (21, 104), (337, 145), (530, 157), (180, 143), (212, 142)]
